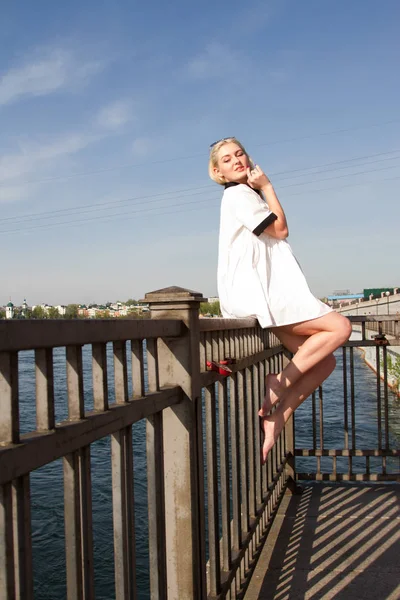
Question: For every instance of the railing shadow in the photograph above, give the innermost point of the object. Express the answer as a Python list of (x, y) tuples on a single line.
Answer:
[(337, 541)]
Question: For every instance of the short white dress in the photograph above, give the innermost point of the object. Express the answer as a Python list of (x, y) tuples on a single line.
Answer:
[(258, 275)]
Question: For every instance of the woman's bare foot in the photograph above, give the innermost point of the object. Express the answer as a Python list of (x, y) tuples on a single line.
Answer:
[(272, 394), (272, 427)]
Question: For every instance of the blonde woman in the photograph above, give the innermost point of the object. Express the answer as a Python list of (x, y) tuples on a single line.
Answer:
[(258, 276)]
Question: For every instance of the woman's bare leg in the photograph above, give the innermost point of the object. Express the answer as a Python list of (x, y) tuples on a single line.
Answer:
[(322, 336), (294, 396)]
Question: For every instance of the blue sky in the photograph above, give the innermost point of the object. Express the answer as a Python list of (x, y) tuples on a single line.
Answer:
[(107, 111)]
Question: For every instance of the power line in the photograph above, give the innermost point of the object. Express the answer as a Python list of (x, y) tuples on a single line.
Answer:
[(91, 207), (167, 160), (107, 218), (112, 203), (340, 176), (119, 214), (339, 162)]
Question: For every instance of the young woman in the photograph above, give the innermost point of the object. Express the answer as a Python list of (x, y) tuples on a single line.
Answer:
[(258, 276)]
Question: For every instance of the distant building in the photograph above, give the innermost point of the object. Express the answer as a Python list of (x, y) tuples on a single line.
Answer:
[(24, 308), (83, 310), (10, 310)]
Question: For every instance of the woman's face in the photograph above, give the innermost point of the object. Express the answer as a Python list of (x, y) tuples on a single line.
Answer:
[(232, 163)]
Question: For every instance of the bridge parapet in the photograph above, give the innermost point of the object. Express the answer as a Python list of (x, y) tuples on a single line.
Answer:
[(198, 384)]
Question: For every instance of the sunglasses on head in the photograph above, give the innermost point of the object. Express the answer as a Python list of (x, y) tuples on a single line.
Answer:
[(218, 141)]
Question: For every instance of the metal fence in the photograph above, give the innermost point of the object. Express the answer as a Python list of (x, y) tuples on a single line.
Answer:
[(326, 458), (210, 501)]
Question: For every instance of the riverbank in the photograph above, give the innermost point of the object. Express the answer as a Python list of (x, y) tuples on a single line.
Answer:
[(369, 356)]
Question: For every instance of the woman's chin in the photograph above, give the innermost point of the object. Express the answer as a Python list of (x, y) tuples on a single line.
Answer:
[(241, 177)]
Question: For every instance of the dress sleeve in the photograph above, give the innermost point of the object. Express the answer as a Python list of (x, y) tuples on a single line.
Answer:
[(251, 210)]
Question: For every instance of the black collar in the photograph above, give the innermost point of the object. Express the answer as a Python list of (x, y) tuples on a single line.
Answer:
[(233, 183)]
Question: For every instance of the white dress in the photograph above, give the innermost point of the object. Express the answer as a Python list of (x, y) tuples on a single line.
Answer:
[(258, 275)]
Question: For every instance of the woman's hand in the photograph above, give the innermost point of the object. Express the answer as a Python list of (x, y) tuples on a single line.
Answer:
[(256, 178)]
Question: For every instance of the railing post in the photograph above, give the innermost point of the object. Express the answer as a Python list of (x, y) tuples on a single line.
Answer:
[(179, 364), (290, 443)]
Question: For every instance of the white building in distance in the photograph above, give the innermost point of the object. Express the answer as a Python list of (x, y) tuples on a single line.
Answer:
[(10, 310)]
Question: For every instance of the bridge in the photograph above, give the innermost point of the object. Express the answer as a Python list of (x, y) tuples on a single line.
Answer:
[(220, 524)]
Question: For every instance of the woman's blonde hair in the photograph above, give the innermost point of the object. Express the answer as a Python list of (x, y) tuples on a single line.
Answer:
[(213, 161)]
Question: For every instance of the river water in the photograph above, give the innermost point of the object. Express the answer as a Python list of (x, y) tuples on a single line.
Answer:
[(47, 482)]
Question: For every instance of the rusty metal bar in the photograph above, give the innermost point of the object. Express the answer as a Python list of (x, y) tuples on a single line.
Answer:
[(314, 420), (345, 405), (342, 452), (378, 397), (386, 396), (385, 405), (321, 417)]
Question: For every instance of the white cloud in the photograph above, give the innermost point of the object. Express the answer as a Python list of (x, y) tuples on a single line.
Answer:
[(38, 158), (55, 70), (34, 156), (114, 115), (217, 60)]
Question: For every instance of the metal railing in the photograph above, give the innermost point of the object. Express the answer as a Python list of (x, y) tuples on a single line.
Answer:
[(371, 460), (240, 508), (210, 501), (208, 507)]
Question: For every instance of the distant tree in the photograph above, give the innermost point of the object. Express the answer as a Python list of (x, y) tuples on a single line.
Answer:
[(71, 312), (130, 302), (135, 315), (52, 313), (2, 314), (212, 308), (103, 314), (39, 313)]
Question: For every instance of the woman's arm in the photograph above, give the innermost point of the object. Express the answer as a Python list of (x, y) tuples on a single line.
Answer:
[(279, 228), (258, 180)]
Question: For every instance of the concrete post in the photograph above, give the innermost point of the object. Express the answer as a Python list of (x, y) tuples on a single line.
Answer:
[(179, 364)]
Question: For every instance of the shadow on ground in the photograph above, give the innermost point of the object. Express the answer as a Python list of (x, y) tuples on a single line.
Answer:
[(333, 541)]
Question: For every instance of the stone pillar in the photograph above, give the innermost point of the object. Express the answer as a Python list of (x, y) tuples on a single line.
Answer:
[(179, 364)]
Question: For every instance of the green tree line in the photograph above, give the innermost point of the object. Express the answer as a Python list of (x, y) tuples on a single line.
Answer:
[(210, 308)]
